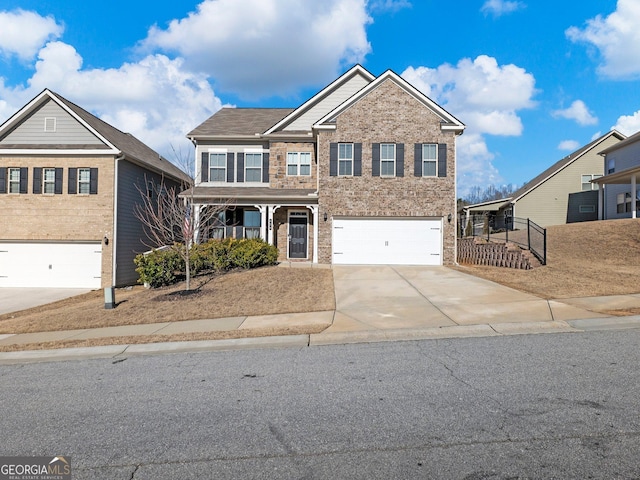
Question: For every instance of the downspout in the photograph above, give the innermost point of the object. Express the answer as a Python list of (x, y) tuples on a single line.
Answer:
[(114, 240)]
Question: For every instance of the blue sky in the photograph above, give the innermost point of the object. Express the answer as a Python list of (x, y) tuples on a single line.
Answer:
[(532, 82)]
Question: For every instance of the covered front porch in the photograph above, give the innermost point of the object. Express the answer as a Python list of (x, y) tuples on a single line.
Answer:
[(627, 199), (287, 219)]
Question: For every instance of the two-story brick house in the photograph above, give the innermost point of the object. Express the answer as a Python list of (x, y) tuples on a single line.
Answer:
[(69, 183), (361, 173)]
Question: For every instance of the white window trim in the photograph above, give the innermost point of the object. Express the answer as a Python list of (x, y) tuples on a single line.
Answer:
[(298, 164), (344, 160), (395, 157), (423, 161), (50, 124), (219, 151), (87, 183), (44, 180), (9, 170), (253, 151)]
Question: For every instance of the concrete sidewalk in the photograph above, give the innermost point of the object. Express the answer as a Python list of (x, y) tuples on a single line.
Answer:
[(372, 304)]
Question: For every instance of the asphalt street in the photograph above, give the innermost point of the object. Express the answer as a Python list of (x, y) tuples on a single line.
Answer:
[(523, 406)]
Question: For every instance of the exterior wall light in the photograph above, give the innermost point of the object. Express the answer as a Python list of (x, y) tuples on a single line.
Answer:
[(449, 217), (325, 216)]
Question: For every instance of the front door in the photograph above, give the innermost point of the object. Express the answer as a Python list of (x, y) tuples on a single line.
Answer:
[(298, 235)]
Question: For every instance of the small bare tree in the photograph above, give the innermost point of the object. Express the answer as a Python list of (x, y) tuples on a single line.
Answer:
[(171, 218)]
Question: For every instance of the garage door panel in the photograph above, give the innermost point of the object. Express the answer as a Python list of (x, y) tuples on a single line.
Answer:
[(71, 265), (387, 241)]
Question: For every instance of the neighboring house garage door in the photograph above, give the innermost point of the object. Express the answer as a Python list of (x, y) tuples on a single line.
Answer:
[(375, 241), (58, 265)]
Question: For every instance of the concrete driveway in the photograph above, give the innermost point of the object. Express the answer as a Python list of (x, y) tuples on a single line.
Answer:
[(400, 297), (14, 299)]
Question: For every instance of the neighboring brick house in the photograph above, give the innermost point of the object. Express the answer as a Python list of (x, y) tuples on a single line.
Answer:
[(68, 186), (619, 192), (361, 173)]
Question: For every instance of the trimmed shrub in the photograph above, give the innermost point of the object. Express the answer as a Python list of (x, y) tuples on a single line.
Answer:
[(164, 267), (252, 253), (159, 267)]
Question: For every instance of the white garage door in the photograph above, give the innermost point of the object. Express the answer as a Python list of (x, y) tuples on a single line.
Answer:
[(59, 265), (374, 241)]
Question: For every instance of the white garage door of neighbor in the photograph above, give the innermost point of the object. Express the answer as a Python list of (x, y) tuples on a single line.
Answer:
[(374, 241), (58, 265)]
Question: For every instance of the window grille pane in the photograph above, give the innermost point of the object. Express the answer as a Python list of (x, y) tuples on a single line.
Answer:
[(429, 169), (429, 151)]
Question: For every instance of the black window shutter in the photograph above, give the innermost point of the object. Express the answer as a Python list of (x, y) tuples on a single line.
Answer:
[(375, 159), (230, 159), (24, 175), (93, 181), (400, 160), (37, 180), (73, 181), (204, 167), (333, 159), (442, 159), (265, 167), (58, 182), (240, 167), (3, 180), (417, 159), (357, 159)]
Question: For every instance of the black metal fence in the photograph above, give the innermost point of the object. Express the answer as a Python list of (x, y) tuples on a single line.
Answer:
[(505, 228)]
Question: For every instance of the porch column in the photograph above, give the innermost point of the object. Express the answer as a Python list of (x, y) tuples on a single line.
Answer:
[(263, 221), (601, 201), (271, 211), (633, 197), (316, 219), (196, 223)]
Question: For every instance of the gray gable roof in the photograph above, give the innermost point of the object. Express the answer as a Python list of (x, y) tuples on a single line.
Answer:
[(560, 164), (129, 145), (239, 121)]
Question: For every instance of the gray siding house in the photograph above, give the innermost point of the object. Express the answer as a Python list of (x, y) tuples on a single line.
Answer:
[(619, 194), (68, 186)]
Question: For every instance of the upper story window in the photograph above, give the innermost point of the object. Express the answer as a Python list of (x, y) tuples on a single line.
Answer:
[(345, 159), (387, 160), (253, 167), (299, 163), (217, 167), (429, 160), (48, 180), (611, 165), (14, 180), (84, 181), (586, 182)]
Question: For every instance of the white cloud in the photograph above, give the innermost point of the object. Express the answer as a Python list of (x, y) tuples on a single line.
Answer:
[(23, 33), (267, 47), (155, 99), (486, 97), (483, 94), (498, 8), (579, 112), (628, 124), (569, 145), (617, 37), (381, 6), (474, 166)]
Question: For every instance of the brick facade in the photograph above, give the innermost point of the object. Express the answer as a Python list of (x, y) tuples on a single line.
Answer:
[(278, 177), (62, 217), (387, 114)]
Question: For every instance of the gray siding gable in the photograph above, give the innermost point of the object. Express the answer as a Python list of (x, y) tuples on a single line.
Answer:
[(64, 130)]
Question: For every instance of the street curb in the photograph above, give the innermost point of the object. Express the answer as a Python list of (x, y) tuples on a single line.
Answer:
[(321, 339)]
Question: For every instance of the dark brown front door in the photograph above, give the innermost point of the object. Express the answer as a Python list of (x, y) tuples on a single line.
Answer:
[(298, 236)]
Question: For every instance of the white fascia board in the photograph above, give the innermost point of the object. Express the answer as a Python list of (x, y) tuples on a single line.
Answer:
[(52, 151), (322, 93)]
